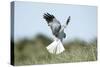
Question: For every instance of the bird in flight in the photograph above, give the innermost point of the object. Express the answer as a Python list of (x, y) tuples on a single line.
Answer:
[(56, 27)]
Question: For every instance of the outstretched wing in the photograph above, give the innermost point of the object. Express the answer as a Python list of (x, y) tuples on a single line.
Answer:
[(53, 23), (61, 32), (65, 24)]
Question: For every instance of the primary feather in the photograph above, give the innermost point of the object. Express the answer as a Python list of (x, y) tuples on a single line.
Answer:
[(68, 20)]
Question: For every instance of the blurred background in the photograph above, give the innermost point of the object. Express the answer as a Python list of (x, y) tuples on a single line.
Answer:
[(32, 34)]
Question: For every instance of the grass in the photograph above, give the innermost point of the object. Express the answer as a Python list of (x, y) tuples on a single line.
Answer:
[(34, 51)]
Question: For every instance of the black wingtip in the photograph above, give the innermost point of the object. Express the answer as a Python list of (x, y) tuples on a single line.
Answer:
[(48, 17), (68, 20)]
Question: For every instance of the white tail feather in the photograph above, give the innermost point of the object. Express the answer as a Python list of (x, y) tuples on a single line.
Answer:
[(56, 47)]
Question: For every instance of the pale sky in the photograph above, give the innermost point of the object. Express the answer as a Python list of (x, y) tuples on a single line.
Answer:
[(28, 20)]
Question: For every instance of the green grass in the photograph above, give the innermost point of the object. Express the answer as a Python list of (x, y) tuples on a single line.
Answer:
[(34, 51)]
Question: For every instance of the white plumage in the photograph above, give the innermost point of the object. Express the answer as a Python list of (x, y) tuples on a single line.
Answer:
[(56, 47)]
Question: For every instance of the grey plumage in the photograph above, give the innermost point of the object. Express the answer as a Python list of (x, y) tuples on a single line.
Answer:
[(57, 29)]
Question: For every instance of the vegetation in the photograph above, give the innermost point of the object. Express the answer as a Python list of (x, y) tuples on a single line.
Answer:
[(33, 51)]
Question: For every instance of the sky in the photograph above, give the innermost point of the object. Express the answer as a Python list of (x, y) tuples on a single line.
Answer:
[(28, 20)]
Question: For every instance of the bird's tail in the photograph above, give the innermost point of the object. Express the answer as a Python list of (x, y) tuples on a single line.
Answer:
[(56, 47)]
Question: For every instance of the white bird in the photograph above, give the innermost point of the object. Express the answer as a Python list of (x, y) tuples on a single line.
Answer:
[(58, 31)]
